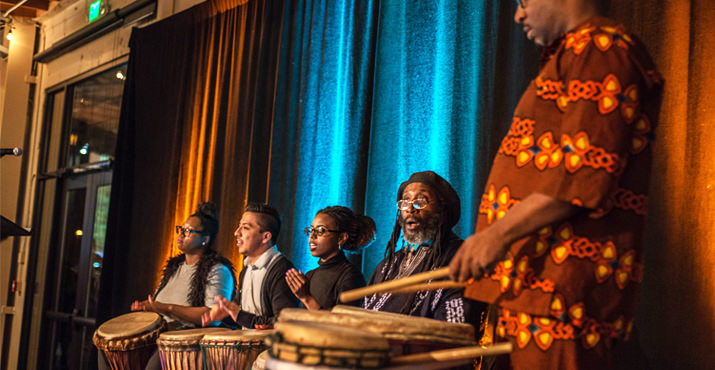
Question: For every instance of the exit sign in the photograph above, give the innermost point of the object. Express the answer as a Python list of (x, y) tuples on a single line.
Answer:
[(94, 10)]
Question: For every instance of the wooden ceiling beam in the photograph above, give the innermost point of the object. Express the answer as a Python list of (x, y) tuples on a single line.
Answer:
[(35, 4), (21, 11)]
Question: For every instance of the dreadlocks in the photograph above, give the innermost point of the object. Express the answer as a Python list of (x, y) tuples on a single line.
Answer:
[(448, 215)]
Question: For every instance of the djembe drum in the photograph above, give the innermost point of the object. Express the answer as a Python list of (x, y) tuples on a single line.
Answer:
[(129, 340), (301, 345), (405, 334), (235, 350), (180, 349)]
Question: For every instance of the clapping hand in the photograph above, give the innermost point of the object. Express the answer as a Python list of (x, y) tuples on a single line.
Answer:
[(298, 283), (220, 310)]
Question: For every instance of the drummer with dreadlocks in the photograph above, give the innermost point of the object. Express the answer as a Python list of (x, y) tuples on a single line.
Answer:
[(428, 208)]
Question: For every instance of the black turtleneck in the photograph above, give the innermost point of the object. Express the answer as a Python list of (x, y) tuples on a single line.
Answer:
[(333, 277)]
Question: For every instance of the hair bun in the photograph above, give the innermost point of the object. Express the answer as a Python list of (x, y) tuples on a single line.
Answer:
[(208, 209), (366, 231)]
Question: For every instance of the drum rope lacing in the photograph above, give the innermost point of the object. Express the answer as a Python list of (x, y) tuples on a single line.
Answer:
[(364, 358)]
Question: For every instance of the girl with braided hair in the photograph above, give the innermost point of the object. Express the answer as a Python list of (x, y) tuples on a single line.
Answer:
[(191, 280), (334, 230)]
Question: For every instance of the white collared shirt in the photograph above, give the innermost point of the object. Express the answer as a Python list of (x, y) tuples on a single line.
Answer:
[(253, 280)]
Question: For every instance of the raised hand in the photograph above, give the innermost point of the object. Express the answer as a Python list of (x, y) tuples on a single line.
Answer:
[(298, 283), (300, 286), (139, 305), (150, 305), (220, 310)]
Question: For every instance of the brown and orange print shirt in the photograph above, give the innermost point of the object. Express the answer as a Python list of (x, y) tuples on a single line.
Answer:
[(582, 134)]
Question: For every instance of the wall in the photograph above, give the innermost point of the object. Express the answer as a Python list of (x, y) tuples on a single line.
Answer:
[(13, 128), (676, 314)]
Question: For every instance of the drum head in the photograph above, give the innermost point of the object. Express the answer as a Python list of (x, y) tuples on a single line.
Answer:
[(186, 337), (329, 336), (237, 336), (390, 325), (313, 343), (410, 327), (129, 325)]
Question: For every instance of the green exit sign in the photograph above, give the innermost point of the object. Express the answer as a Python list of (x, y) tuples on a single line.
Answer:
[(94, 10)]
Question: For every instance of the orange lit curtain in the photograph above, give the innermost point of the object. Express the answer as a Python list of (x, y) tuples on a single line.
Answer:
[(676, 315), (223, 149), (195, 126)]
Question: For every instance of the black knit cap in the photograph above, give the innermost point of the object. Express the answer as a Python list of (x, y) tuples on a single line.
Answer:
[(451, 208)]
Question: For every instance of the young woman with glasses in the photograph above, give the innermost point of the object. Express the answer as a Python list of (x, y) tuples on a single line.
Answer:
[(191, 280), (334, 230)]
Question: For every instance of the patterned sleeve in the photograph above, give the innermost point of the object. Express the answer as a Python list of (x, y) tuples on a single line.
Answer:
[(450, 305), (220, 282), (596, 93)]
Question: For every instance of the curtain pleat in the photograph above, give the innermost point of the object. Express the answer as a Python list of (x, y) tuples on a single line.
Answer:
[(197, 113), (676, 313), (322, 121), (442, 102)]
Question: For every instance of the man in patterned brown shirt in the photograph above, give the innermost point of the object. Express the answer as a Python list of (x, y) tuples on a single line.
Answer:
[(557, 246)]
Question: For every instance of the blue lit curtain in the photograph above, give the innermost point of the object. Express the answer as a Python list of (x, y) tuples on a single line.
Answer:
[(322, 122), (371, 91), (447, 76), (429, 95)]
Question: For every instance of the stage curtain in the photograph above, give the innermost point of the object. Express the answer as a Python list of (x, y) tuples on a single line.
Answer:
[(676, 313), (195, 126), (439, 66), (370, 92), (305, 104), (322, 121)]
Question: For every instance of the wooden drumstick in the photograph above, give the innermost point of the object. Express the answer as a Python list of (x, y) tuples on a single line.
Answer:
[(355, 294), (461, 353)]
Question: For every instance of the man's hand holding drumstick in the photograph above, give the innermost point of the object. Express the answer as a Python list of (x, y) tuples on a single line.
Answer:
[(478, 255), (483, 250)]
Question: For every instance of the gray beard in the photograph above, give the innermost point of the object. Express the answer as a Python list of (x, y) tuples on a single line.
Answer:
[(423, 234)]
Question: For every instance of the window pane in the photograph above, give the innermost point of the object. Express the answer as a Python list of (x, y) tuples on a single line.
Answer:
[(97, 254), (55, 130), (71, 348), (95, 117), (71, 252)]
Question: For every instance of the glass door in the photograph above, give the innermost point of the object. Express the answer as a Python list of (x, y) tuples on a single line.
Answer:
[(72, 206), (71, 298)]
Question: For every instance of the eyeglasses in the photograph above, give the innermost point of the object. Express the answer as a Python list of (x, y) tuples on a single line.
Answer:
[(521, 3), (419, 203), (185, 231), (318, 231)]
